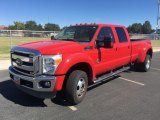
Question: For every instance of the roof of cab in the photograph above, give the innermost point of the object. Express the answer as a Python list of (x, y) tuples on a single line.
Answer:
[(94, 24)]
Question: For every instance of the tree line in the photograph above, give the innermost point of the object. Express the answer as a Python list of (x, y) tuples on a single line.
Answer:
[(144, 28), (139, 28), (32, 25)]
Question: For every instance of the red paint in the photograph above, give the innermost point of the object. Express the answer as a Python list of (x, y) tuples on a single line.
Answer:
[(59, 83), (74, 53)]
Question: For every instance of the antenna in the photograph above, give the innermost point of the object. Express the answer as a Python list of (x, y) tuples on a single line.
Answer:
[(158, 17)]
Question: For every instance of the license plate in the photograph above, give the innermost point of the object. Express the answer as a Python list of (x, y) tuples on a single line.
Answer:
[(16, 79)]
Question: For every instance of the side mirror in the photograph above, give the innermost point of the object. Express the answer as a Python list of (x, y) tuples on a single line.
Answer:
[(106, 42), (52, 37)]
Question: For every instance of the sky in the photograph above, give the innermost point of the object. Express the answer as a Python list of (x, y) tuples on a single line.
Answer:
[(67, 12)]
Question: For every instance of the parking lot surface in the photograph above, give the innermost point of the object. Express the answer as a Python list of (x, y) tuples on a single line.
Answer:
[(132, 96)]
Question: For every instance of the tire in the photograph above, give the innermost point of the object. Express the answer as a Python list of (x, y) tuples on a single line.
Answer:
[(76, 86), (145, 66)]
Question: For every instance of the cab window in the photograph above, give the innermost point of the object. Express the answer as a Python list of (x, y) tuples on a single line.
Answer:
[(121, 35), (105, 32)]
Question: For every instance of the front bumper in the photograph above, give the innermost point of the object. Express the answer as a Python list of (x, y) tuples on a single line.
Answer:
[(32, 85)]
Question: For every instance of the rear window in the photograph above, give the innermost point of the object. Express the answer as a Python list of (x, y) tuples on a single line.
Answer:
[(121, 35)]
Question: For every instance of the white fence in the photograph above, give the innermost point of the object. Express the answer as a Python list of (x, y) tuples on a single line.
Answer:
[(145, 36), (27, 33), (48, 34)]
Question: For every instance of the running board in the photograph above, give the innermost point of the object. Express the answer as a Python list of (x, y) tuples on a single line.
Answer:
[(110, 75)]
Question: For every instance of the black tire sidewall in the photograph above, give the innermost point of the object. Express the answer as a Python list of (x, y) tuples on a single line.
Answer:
[(71, 86)]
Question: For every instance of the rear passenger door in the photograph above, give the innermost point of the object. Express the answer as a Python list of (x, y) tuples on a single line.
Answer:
[(123, 47)]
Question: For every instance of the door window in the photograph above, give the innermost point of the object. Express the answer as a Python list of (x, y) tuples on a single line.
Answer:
[(105, 32), (121, 35)]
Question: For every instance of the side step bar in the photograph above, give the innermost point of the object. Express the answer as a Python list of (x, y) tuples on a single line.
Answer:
[(110, 75)]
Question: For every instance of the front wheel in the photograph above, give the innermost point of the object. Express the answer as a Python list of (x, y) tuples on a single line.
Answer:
[(76, 86)]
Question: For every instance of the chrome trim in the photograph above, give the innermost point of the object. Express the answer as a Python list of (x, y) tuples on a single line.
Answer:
[(23, 72), (34, 80), (28, 56), (24, 67), (24, 59)]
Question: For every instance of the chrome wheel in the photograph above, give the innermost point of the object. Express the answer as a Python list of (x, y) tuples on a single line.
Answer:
[(76, 86), (148, 62), (81, 87)]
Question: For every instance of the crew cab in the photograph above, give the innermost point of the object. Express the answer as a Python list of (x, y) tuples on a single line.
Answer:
[(79, 56)]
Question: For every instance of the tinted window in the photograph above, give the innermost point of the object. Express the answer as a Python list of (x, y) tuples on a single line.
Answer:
[(77, 33), (121, 35), (107, 31)]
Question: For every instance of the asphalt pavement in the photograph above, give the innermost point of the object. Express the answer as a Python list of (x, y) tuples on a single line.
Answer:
[(132, 96)]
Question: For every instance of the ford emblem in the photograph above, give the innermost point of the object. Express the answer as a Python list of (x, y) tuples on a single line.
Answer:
[(19, 62)]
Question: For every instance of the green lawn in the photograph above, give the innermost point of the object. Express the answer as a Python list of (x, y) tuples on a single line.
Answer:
[(156, 43), (5, 44)]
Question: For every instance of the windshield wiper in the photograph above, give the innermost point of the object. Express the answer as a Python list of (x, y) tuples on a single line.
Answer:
[(68, 39)]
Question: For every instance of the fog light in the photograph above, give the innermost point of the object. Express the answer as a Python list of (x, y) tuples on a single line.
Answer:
[(45, 84)]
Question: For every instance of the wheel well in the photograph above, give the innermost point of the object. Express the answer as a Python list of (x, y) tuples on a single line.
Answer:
[(84, 67), (150, 52)]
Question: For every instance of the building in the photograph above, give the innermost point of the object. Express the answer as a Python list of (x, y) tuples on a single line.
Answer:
[(2, 27)]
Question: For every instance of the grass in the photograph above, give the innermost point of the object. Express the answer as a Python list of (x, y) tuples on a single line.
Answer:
[(156, 43), (5, 44)]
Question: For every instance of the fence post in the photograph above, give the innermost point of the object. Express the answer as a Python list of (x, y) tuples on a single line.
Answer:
[(10, 39)]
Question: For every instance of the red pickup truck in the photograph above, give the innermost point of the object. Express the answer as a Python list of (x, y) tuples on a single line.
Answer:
[(76, 58)]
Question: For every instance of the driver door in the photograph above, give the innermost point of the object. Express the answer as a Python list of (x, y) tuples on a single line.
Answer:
[(106, 56)]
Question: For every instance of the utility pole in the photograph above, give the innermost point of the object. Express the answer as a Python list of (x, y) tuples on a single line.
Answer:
[(158, 17)]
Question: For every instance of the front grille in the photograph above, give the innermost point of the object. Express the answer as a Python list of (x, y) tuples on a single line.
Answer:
[(25, 61)]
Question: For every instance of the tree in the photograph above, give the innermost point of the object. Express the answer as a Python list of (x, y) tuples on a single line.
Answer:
[(39, 27), (153, 30), (146, 28), (51, 27), (31, 25), (11, 27), (17, 26), (129, 28), (136, 28)]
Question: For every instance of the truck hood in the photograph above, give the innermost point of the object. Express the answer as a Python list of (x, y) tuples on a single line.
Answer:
[(54, 47)]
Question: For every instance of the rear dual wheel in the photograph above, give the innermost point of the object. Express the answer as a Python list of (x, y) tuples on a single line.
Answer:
[(146, 65)]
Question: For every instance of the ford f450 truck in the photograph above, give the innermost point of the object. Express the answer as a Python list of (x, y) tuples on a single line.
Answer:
[(76, 58)]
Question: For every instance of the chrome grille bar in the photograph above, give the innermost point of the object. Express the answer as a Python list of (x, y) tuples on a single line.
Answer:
[(24, 67), (23, 58), (25, 61)]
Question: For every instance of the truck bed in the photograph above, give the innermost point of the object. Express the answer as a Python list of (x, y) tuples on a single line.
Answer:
[(133, 40), (141, 40), (137, 45)]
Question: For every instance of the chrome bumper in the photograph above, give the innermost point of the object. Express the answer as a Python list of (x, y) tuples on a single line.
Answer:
[(31, 85)]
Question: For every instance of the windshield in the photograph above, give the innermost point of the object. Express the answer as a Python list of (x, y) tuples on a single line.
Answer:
[(77, 33)]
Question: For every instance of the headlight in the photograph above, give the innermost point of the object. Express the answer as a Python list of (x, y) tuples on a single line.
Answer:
[(50, 63)]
